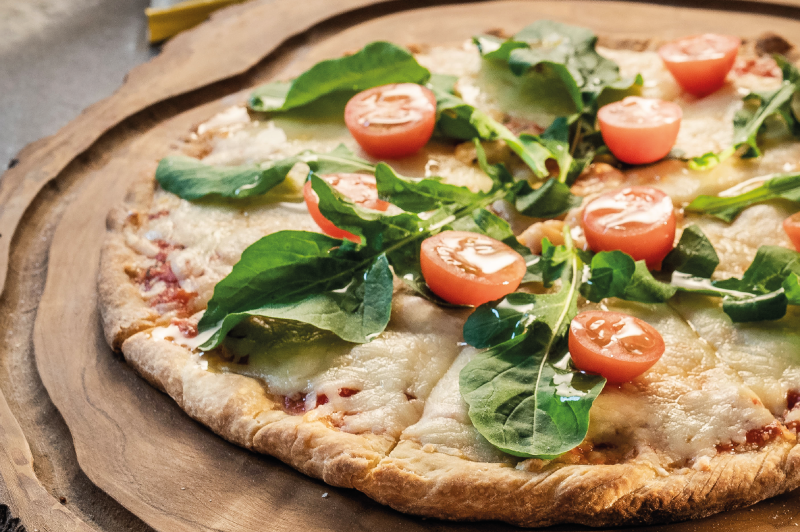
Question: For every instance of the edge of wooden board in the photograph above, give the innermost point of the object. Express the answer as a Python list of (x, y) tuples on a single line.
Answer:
[(58, 253)]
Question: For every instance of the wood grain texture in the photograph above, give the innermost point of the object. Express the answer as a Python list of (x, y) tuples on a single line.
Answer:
[(132, 440), (16, 463)]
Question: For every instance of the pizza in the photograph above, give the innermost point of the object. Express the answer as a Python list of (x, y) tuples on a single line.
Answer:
[(531, 278)]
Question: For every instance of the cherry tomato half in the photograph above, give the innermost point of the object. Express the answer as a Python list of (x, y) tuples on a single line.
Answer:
[(392, 121), (700, 63), (640, 130), (470, 269), (615, 345), (358, 188), (637, 220), (792, 227)]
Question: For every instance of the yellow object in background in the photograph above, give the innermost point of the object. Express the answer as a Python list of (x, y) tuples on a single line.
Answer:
[(165, 22)]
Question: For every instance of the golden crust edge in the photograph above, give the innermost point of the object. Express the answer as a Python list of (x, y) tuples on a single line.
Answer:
[(434, 484), (123, 311), (239, 409), (570, 494), (415, 481)]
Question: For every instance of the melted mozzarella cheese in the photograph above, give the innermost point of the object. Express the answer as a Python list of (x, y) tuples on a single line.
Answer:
[(765, 354), (688, 403), (445, 425), (694, 402), (386, 381)]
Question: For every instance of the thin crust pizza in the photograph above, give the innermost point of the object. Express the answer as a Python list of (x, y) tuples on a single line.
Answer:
[(464, 342)]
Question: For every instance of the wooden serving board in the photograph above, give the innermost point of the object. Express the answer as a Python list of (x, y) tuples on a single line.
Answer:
[(138, 462)]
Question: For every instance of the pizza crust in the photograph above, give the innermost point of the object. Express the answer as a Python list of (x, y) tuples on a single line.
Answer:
[(415, 481), (123, 311), (405, 474), (240, 410)]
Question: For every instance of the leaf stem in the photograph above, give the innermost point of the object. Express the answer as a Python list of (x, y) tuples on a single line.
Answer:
[(578, 136)]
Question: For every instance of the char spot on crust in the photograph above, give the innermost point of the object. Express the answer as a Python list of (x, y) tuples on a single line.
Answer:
[(602, 453), (771, 43), (500, 33), (416, 48), (619, 43), (294, 404), (792, 399)]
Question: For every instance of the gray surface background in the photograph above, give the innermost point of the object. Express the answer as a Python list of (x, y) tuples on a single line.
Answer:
[(57, 57)]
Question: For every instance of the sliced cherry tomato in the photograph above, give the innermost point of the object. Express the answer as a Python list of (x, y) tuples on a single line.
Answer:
[(637, 220), (615, 345), (393, 120), (700, 63), (792, 227), (470, 269), (358, 188), (640, 130)]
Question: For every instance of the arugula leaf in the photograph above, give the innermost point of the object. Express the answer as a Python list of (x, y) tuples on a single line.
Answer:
[(456, 119), (770, 267), (459, 120), (749, 121), (489, 224), (616, 274), (785, 186), (305, 277), (556, 139), (694, 254), (791, 288), (765, 307), (768, 285), (709, 160), (419, 195), (442, 83), (191, 179), (547, 49), (552, 199), (790, 111), (339, 159), (524, 396), (554, 261), (378, 63), (378, 229)]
